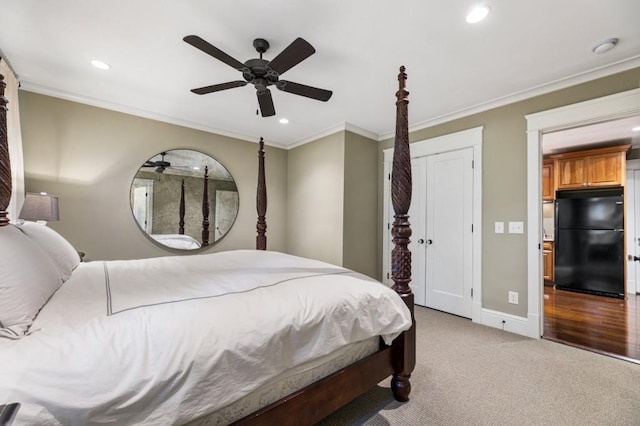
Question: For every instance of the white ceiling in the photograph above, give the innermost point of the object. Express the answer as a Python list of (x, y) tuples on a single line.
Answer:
[(523, 48), (601, 134)]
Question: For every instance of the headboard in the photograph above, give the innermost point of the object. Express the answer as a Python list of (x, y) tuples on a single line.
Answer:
[(5, 163)]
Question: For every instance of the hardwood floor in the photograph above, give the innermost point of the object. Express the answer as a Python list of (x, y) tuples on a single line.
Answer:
[(601, 324)]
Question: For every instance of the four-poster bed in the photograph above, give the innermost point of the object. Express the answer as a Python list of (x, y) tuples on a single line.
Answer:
[(180, 240), (389, 316)]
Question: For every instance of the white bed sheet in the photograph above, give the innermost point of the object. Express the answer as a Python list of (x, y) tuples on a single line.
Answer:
[(159, 358), (178, 241)]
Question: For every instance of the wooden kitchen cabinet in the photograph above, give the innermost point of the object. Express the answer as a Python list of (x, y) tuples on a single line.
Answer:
[(548, 258), (591, 169), (548, 187)]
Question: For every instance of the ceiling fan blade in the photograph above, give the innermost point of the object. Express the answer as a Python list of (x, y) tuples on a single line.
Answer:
[(218, 87), (304, 90), (266, 103), (296, 52), (210, 49)]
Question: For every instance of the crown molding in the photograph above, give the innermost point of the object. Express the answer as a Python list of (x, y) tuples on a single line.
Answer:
[(563, 83), (74, 97), (552, 86), (342, 127)]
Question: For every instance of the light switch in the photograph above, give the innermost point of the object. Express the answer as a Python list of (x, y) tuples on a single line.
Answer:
[(516, 227), (499, 228)]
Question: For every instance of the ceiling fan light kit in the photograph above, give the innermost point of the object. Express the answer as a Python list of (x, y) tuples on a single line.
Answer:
[(263, 73)]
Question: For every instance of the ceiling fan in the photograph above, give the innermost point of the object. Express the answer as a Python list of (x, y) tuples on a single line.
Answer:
[(263, 73), (160, 165)]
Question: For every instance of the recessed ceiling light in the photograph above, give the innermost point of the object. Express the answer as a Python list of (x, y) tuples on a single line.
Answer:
[(477, 14), (636, 129), (100, 64), (604, 45), (284, 121)]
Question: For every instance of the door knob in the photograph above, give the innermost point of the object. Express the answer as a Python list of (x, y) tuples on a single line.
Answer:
[(429, 241), (420, 241), (633, 258)]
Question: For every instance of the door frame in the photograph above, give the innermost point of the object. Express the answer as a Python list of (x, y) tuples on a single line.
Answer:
[(631, 233), (470, 138), (607, 108)]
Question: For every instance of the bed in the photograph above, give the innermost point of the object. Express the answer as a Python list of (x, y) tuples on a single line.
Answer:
[(181, 340)]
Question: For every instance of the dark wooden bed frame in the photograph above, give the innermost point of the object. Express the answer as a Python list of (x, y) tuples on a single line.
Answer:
[(205, 209), (314, 402)]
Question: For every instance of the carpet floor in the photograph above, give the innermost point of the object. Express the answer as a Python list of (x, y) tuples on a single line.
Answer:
[(470, 374)]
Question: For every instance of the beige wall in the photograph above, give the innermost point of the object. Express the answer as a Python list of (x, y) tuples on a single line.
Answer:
[(317, 192), (360, 204), (504, 188), (332, 201), (88, 157), (315, 199)]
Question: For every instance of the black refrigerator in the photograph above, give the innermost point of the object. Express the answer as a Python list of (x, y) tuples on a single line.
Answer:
[(589, 241)]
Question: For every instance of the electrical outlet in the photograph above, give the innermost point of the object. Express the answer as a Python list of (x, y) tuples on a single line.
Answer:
[(499, 228), (513, 297), (516, 227)]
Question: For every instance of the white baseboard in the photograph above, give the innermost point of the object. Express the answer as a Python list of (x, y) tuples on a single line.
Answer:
[(512, 323)]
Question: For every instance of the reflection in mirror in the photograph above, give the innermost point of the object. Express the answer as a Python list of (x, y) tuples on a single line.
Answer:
[(184, 199)]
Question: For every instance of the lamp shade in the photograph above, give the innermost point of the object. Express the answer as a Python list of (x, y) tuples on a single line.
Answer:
[(40, 206)]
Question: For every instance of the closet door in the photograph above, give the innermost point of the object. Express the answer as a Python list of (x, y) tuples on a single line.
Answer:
[(417, 218), (448, 236)]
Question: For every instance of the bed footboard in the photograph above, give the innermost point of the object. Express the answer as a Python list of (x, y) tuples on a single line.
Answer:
[(316, 401), (404, 359)]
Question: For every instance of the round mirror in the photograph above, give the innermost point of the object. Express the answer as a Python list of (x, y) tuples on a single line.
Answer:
[(184, 199)]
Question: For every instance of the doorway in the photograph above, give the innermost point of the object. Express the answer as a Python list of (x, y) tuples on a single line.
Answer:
[(589, 319), (608, 108), (445, 217)]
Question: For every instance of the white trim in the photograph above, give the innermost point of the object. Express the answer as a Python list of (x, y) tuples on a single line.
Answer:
[(451, 142), (630, 232), (553, 86), (512, 323), (69, 96), (470, 138), (335, 129), (623, 65), (619, 105)]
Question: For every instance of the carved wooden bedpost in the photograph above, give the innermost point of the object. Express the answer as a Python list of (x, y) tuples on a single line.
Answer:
[(181, 221), (205, 209), (5, 164), (261, 201), (401, 231)]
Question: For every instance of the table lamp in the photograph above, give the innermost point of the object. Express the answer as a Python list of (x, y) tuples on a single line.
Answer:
[(40, 207)]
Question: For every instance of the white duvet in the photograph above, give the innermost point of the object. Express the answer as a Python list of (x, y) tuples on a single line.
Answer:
[(163, 341)]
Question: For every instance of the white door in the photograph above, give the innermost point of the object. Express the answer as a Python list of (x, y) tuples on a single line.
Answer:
[(417, 213), (142, 203), (448, 236), (636, 248)]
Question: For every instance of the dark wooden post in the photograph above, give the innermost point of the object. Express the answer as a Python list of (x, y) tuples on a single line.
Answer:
[(401, 231), (205, 209), (261, 201), (5, 164), (182, 209)]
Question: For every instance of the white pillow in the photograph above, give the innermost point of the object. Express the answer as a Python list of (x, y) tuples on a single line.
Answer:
[(62, 253), (28, 278)]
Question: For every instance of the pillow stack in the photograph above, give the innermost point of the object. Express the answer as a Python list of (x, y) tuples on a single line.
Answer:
[(34, 262)]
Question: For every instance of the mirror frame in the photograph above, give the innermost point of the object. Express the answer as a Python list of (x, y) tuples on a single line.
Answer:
[(213, 177)]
